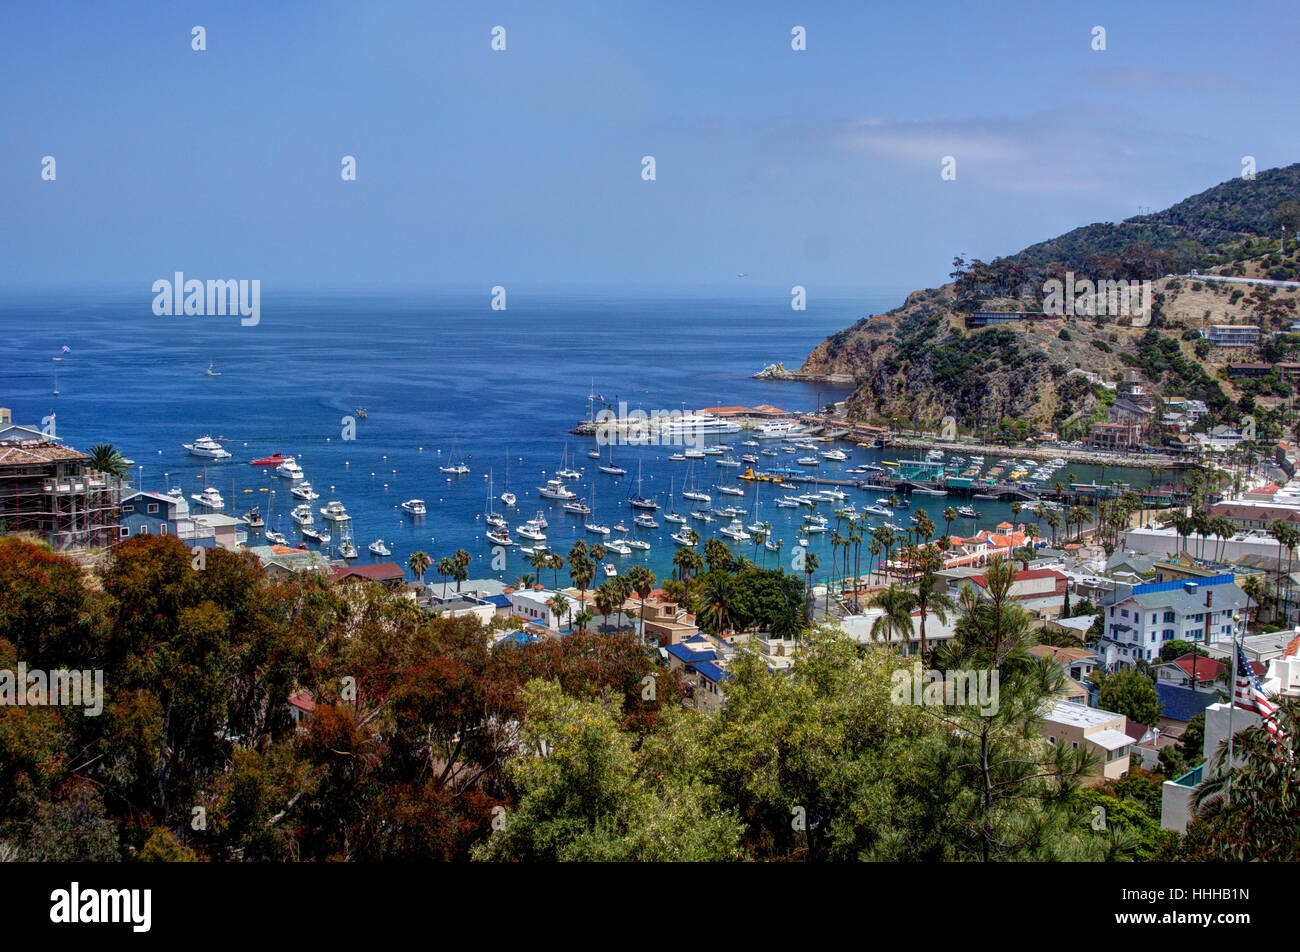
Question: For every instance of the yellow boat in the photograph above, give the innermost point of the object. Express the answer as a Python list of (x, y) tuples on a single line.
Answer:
[(887, 462)]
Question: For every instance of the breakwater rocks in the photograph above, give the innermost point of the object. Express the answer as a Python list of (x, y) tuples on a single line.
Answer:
[(778, 371)]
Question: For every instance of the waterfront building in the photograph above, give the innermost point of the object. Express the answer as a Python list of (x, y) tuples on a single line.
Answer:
[(146, 513), (51, 491), (1141, 619)]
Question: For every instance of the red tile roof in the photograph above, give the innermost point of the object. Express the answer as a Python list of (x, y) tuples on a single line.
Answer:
[(380, 572), (1207, 669), (303, 701)]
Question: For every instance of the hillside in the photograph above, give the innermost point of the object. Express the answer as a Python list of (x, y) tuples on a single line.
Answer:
[(919, 362)]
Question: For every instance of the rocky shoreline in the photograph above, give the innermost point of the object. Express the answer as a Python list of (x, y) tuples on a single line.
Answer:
[(778, 371)]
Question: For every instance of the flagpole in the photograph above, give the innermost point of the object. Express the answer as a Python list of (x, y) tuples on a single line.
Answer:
[(1227, 783)]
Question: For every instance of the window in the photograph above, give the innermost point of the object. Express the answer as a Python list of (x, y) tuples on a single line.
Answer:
[(124, 531), (143, 530), (153, 507), (1074, 744), (1153, 618), (1169, 618), (1123, 613), (129, 507), (1167, 634), (162, 529)]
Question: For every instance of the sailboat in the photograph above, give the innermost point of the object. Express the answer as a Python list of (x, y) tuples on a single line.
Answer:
[(211, 372), (755, 525), (456, 467), (672, 515), (595, 528), (640, 501), (507, 497), (692, 492), (497, 531), (566, 470), (610, 467)]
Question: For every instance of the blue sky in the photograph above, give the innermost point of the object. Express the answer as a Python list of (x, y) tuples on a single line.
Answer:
[(523, 167)]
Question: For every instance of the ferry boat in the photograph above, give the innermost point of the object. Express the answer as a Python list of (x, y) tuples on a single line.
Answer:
[(414, 506), (210, 498), (302, 515), (555, 489), (304, 491), (206, 447), (378, 548), (778, 430), (290, 469)]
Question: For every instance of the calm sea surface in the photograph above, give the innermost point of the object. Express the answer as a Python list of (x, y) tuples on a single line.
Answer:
[(429, 370)]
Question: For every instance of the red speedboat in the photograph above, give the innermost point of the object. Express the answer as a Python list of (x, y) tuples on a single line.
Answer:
[(275, 460)]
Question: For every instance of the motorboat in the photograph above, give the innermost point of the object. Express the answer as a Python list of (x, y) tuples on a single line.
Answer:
[(675, 517), (274, 460), (555, 489), (686, 538), (210, 498), (807, 461), (814, 527), (508, 498), (577, 507), (713, 451), (530, 551), (729, 461), (967, 512), (302, 515), (595, 528), (772, 545), (836, 456), (637, 544), (735, 531), (693, 454), (785, 502), (253, 518), (701, 515), (414, 507), (618, 546), (749, 442), (304, 491), (347, 550), (768, 452), (206, 447), (645, 521), (499, 536), (290, 469), (611, 570), (176, 492), (495, 520), (620, 526), (677, 457), (275, 538), (539, 520), (530, 530), (335, 511), (212, 371), (878, 511), (749, 458), (730, 490), (378, 548), (316, 535)]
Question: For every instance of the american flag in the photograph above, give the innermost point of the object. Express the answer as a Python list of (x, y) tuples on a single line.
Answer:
[(1249, 695)]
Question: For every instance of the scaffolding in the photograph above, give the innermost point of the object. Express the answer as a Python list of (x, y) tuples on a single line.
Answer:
[(53, 492)]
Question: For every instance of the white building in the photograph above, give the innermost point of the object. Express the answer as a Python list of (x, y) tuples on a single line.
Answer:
[(534, 605), (1140, 620)]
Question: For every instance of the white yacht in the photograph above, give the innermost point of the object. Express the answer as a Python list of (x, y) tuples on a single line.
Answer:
[(807, 461), (499, 536), (414, 506), (275, 538), (675, 517), (701, 515), (304, 491), (645, 521), (730, 490), (685, 537), (836, 456), (577, 507), (347, 550), (595, 528), (693, 454), (530, 530), (316, 535), (508, 498), (618, 546), (290, 469), (378, 548), (455, 466), (611, 570), (210, 498), (637, 544), (693, 427), (555, 489), (206, 447), (302, 515)]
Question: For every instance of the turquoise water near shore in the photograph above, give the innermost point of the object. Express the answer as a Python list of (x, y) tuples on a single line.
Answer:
[(428, 369)]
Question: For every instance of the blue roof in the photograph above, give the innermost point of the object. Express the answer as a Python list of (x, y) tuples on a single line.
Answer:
[(500, 601), (1182, 704), (712, 671), (690, 655)]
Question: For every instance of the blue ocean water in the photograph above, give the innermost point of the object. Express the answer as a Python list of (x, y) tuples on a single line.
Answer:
[(429, 369)]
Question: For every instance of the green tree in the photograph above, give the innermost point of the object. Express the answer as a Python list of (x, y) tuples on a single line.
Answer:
[(1132, 694)]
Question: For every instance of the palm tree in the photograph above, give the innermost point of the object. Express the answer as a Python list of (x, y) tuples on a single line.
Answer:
[(810, 563), (719, 593), (581, 570), (643, 582), (583, 618), (1054, 521), (419, 564), (949, 517), (929, 601), (606, 601), (539, 560), (896, 603), (461, 559), (108, 459), (556, 563), (445, 568), (875, 551), (559, 605)]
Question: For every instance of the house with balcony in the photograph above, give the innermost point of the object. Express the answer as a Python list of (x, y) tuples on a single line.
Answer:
[(1140, 619), (1232, 335), (52, 492)]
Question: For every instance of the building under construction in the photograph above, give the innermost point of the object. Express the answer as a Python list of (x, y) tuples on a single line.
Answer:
[(53, 492)]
